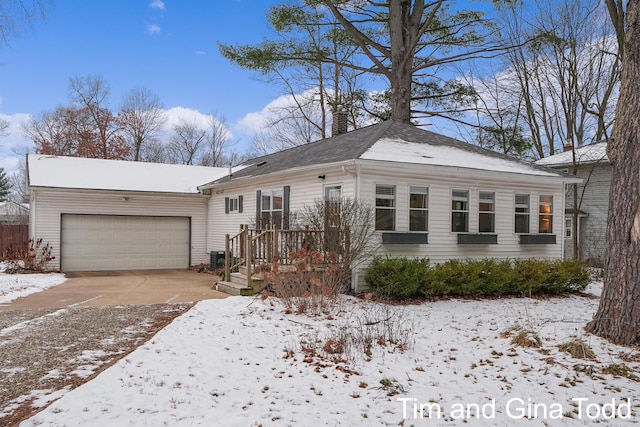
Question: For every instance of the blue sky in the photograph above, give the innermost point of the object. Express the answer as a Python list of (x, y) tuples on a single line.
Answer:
[(168, 46)]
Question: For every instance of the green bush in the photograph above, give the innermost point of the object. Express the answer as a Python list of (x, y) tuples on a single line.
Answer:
[(396, 278), (402, 278)]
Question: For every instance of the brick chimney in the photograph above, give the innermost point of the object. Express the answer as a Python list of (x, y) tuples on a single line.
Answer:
[(567, 147), (339, 123)]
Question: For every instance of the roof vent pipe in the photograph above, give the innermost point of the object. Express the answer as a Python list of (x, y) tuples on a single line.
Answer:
[(339, 122)]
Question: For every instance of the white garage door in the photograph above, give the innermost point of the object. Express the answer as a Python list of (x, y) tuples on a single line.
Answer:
[(109, 242)]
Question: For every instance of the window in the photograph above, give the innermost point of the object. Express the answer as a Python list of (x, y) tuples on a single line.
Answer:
[(460, 211), (568, 227), (233, 204), (487, 212), (271, 205), (545, 217), (332, 206), (332, 192), (386, 207), (522, 213), (418, 208)]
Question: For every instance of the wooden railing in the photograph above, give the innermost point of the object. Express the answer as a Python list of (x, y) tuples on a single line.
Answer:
[(252, 248)]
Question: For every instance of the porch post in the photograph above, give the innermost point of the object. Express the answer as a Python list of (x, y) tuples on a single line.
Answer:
[(227, 259), (249, 260)]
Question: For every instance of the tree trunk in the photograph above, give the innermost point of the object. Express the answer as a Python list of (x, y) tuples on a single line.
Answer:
[(618, 316), (402, 31)]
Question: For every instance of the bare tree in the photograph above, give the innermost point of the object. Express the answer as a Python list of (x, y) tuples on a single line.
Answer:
[(18, 178), (52, 133), (216, 142), (17, 14), (155, 152), (141, 118), (349, 230), (187, 143), (563, 74), (97, 128)]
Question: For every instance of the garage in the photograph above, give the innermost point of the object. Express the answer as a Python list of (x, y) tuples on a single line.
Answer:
[(117, 242)]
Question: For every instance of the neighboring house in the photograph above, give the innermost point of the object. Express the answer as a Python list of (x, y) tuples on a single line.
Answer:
[(433, 196), (13, 213), (592, 165)]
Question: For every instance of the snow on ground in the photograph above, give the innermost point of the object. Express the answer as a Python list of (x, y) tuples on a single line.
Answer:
[(244, 361), (13, 286)]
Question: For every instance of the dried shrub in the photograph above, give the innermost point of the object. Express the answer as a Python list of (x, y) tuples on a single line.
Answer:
[(527, 338), (310, 284), (34, 255)]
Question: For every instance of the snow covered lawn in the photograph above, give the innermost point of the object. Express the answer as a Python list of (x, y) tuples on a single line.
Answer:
[(13, 286), (243, 361)]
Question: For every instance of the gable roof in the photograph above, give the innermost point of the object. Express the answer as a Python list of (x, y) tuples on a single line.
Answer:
[(10, 207), (119, 175), (387, 141), (592, 153)]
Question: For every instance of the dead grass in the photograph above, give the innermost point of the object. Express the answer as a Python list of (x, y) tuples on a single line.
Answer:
[(578, 349)]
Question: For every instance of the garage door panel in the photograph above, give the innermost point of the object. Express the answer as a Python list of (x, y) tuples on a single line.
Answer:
[(106, 242)]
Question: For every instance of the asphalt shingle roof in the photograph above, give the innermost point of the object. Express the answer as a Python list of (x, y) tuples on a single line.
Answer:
[(353, 145)]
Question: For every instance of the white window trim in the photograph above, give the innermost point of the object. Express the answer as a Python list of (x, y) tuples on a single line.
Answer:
[(234, 205), (514, 213), (451, 210), (549, 214), (493, 212), (427, 209), (394, 208), (326, 187)]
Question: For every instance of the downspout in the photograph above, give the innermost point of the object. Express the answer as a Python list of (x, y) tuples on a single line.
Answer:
[(565, 186), (356, 175)]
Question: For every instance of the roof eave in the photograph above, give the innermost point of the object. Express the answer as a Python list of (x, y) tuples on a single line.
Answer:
[(215, 184)]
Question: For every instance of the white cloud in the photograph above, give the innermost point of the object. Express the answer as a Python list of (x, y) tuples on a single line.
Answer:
[(201, 52), (254, 123), (14, 144), (153, 29), (177, 114), (157, 4)]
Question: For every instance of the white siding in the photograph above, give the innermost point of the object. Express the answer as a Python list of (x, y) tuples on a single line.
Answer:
[(51, 204), (593, 198), (441, 181), (306, 187)]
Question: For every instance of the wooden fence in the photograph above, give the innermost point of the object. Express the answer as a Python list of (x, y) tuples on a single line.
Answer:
[(13, 235)]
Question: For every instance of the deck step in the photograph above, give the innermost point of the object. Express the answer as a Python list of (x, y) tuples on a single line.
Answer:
[(241, 279), (233, 288)]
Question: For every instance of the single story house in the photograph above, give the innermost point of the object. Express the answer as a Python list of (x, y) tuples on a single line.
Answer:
[(433, 197), (14, 213), (593, 167)]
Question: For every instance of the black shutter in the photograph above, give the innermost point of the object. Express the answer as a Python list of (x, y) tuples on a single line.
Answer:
[(239, 204), (285, 207), (258, 209), (226, 205)]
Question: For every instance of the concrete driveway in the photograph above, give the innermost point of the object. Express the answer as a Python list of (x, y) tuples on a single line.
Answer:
[(98, 289)]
